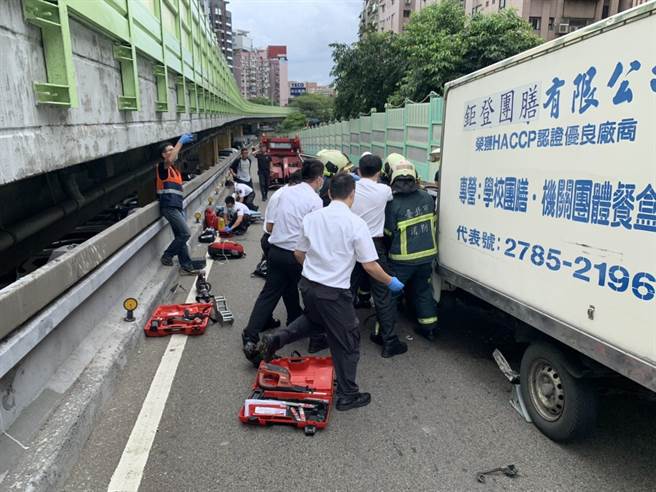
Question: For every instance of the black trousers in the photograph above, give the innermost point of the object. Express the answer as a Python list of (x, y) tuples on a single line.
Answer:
[(249, 199), (283, 275), (330, 311), (264, 179), (264, 244), (384, 305), (243, 226)]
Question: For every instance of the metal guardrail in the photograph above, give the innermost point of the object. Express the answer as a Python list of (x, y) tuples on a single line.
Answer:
[(29, 306), (414, 131)]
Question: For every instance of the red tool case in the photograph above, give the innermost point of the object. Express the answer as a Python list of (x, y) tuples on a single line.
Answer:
[(187, 319), (303, 381)]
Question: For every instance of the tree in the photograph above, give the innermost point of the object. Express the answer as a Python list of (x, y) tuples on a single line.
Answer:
[(366, 73), (261, 100), (442, 44), (316, 107), (433, 45), (295, 121)]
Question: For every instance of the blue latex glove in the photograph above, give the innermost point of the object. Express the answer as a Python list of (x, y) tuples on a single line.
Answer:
[(395, 285), (227, 229), (356, 177), (186, 138)]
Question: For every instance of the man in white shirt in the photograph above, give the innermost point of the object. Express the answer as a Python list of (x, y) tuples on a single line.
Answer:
[(283, 271), (236, 215), (332, 240), (371, 197), (245, 194), (294, 179)]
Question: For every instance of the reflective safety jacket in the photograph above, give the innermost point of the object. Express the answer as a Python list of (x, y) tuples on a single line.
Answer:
[(169, 190), (410, 226)]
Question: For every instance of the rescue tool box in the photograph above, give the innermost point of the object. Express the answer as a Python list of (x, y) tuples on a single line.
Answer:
[(296, 391), (186, 319)]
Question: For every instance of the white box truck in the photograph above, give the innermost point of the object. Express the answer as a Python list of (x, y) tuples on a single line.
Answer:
[(548, 209)]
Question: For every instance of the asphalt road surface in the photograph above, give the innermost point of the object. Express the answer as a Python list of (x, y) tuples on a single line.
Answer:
[(439, 414)]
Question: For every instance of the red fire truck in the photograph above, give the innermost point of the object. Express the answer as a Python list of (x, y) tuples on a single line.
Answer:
[(285, 157)]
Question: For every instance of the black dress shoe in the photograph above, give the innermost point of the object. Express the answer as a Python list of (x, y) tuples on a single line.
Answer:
[(317, 345), (354, 401), (250, 350), (394, 348), (377, 339), (268, 346)]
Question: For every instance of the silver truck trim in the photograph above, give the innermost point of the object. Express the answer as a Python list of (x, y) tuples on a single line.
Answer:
[(633, 367)]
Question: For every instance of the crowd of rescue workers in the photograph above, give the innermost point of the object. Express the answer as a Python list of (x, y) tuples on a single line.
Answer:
[(339, 235)]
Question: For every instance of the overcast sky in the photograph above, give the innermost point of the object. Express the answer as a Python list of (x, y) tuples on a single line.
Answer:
[(307, 27)]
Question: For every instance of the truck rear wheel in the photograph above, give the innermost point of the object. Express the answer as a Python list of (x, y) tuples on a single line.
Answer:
[(564, 408)]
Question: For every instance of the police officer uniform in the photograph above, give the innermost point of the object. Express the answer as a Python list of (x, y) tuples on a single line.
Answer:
[(263, 172), (410, 226)]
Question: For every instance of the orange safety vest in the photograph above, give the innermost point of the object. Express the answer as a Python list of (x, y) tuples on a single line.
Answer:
[(170, 189)]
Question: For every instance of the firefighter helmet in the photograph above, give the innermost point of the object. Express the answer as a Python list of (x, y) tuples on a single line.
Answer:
[(334, 161)]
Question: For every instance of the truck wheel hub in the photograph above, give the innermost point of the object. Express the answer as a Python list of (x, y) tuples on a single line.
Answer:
[(546, 390)]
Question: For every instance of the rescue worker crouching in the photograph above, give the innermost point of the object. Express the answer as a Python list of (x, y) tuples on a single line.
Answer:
[(245, 194), (170, 192), (236, 216), (410, 223)]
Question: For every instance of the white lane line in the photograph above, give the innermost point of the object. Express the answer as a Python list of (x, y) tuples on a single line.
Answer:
[(127, 475)]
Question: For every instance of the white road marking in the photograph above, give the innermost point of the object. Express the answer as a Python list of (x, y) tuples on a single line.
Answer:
[(129, 472)]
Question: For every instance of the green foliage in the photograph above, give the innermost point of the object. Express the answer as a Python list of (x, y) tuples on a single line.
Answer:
[(316, 107), (439, 44), (366, 73), (294, 121), (261, 100)]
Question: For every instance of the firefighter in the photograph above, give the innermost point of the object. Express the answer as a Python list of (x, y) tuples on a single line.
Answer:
[(410, 223), (391, 162), (169, 189), (334, 161), (331, 240)]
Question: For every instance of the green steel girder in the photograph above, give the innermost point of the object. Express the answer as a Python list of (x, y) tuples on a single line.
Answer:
[(180, 93), (126, 56), (189, 54), (52, 18), (162, 85)]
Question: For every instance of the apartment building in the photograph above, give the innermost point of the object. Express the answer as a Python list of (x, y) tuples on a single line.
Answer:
[(260, 72), (553, 18), (549, 18), (221, 22)]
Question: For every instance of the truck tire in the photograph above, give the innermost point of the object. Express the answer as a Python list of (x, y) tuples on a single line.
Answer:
[(564, 408)]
